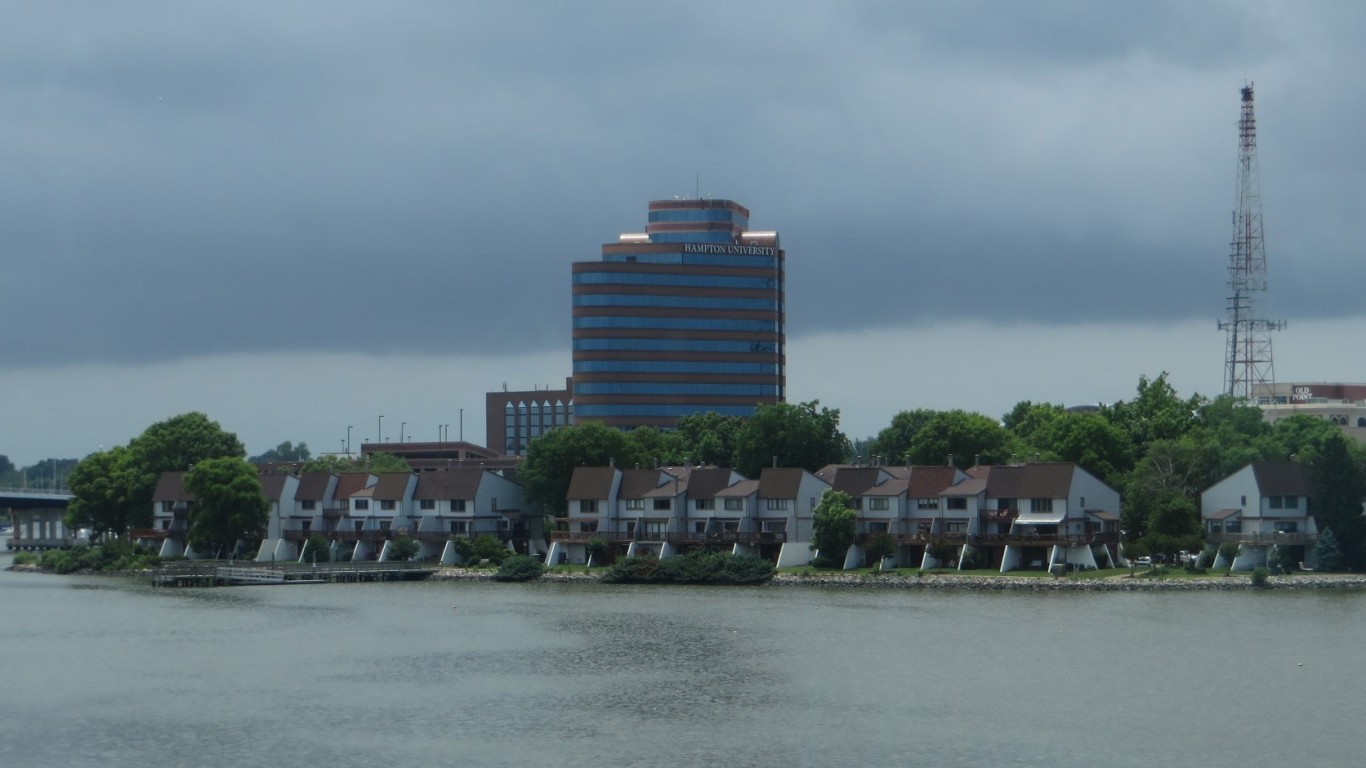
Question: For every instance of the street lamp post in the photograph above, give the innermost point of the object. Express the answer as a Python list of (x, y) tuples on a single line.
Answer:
[(348, 439), (379, 429), (402, 425)]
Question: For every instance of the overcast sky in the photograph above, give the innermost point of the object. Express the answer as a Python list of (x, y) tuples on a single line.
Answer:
[(296, 216)]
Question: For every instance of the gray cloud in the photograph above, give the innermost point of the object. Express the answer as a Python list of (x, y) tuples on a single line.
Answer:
[(417, 177)]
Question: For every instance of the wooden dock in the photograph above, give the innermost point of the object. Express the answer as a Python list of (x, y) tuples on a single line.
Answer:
[(218, 574)]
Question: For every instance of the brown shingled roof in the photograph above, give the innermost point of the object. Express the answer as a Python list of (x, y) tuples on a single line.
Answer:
[(312, 486), (459, 483), (591, 483), (1283, 478), (929, 482), (704, 483), (635, 483), (392, 485), (780, 482), (272, 486), (350, 482), (171, 487), (1030, 481)]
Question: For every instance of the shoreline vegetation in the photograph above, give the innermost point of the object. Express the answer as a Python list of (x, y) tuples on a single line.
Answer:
[(720, 569)]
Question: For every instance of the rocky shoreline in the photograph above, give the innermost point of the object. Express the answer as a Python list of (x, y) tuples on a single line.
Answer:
[(945, 582), (991, 583)]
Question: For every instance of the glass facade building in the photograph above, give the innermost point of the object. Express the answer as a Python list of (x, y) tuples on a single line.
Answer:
[(686, 317)]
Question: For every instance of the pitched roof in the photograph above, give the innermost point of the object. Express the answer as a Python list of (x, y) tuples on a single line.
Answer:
[(350, 482), (893, 485), (635, 483), (392, 485), (591, 483), (780, 482), (171, 487), (272, 485), (705, 483), (1030, 481), (972, 485), (854, 480), (1283, 478), (929, 482), (741, 489), (312, 486), (459, 483)]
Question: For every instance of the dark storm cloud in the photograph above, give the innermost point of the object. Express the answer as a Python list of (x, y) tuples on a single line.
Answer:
[(417, 177)]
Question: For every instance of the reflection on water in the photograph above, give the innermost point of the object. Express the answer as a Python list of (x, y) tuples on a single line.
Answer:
[(109, 672)]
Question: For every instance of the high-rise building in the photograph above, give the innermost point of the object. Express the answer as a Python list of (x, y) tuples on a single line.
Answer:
[(686, 317)]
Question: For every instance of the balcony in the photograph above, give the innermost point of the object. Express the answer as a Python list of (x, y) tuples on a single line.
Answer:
[(1265, 539)]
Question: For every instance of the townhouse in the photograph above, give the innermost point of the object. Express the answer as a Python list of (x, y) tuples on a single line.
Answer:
[(1263, 508)]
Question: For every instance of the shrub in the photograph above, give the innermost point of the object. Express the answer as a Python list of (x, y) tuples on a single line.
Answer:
[(597, 550), (25, 558), (821, 561), (691, 568), (974, 559), (318, 549), (879, 547), (404, 548), (1260, 578), (491, 549), (464, 548), (1228, 550), (519, 568)]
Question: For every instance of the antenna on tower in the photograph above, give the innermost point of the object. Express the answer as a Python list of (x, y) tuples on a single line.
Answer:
[(1249, 373)]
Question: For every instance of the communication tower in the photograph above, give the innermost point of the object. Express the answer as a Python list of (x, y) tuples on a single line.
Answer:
[(1248, 368)]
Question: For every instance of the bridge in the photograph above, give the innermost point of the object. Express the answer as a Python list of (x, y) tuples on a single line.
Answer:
[(36, 515)]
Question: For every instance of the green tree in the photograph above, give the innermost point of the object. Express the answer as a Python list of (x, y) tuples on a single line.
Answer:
[(1327, 553), (709, 438), (103, 485), (1340, 487), (1156, 413), (1092, 442), (833, 525), (967, 437), (801, 435), (552, 457), (285, 451), (893, 443), (229, 504)]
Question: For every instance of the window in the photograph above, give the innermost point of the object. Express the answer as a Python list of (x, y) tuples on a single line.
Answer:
[(1287, 526), (927, 503), (775, 526), (1233, 526), (387, 504), (776, 503), (1041, 505), (636, 504), (1273, 502), (459, 527), (360, 503), (877, 527), (427, 504), (955, 526), (309, 504), (457, 505), (699, 526), (878, 505), (588, 527), (735, 505), (704, 504), (307, 526), (958, 502), (384, 525), (663, 505), (1006, 503), (588, 506)]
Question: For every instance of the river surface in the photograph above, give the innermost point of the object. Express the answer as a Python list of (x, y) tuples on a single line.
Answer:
[(101, 671)]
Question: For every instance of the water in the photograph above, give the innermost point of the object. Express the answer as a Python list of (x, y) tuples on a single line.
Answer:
[(108, 672)]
